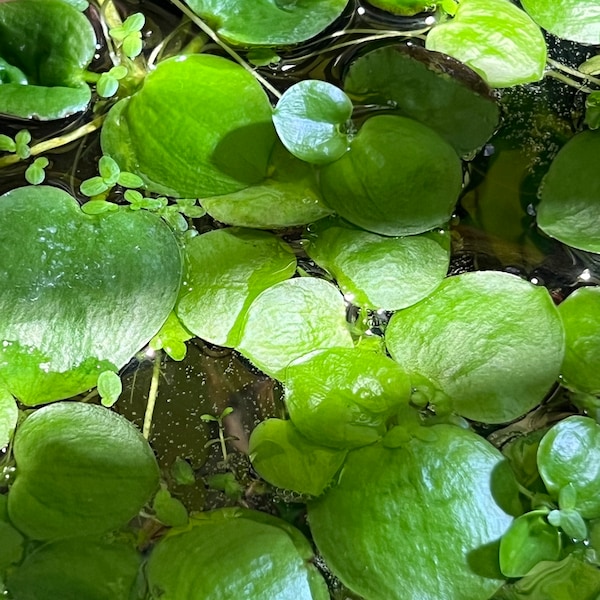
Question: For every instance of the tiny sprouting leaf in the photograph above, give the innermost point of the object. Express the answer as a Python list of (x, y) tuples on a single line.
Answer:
[(567, 497), (132, 45), (227, 483), (591, 66), (570, 521), (109, 387), (134, 22), (129, 180), (189, 208), (262, 57), (109, 170), (97, 207), (592, 110), (93, 186), (7, 144), (169, 511), (107, 85), (172, 338), (118, 72), (22, 140), (182, 472), (209, 418), (35, 173), (134, 198), (174, 219)]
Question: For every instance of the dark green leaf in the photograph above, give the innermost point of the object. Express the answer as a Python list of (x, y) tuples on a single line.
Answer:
[(182, 472), (168, 510), (592, 110)]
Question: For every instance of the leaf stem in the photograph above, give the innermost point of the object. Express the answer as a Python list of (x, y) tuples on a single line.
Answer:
[(152, 395), (213, 36), (576, 84), (56, 142), (574, 72)]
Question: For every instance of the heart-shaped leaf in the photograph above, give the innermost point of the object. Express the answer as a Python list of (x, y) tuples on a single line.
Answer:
[(570, 207), (423, 520), (82, 470), (492, 342), (219, 144), (308, 119), (498, 40), (79, 294), (268, 22), (45, 45)]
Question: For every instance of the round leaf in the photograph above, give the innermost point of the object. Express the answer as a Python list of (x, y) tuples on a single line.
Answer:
[(503, 45), (308, 118), (492, 342), (344, 397), (51, 43), (286, 459), (580, 314), (398, 178), (268, 23), (428, 86), (75, 569), (226, 270), (398, 516), (570, 454), (570, 207), (271, 561), (291, 319), (81, 469), (80, 294), (576, 20), (219, 144), (378, 272)]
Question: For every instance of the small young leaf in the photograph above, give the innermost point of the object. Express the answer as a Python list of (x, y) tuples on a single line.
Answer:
[(93, 187), (189, 208), (133, 197), (134, 22), (132, 45), (129, 180), (262, 57), (174, 219), (227, 483), (571, 522), (109, 387), (591, 66), (35, 172), (97, 207), (118, 72), (7, 144), (22, 140), (107, 85), (23, 137), (169, 510), (182, 472), (109, 170), (172, 338), (118, 33), (567, 497)]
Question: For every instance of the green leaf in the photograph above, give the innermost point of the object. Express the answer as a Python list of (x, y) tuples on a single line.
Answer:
[(580, 314), (592, 110), (491, 341), (569, 454), (107, 85), (571, 522), (189, 208), (381, 272), (11, 549), (77, 568), (286, 459), (93, 186), (287, 197), (182, 472), (168, 510), (9, 414), (109, 387), (172, 337), (111, 472), (35, 174), (74, 287), (576, 20), (52, 43), (118, 72), (397, 515), (134, 22), (109, 170), (432, 88), (570, 207), (98, 207), (262, 57), (22, 140), (226, 270), (177, 153), (504, 45), (291, 319), (227, 483), (129, 180), (567, 497), (529, 540), (132, 45), (266, 23), (271, 560), (398, 178), (404, 7), (309, 118), (7, 144), (344, 397)]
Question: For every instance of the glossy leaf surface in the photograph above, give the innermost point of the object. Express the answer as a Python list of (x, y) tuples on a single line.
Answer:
[(570, 207), (291, 319), (498, 40), (381, 272), (308, 119), (45, 45), (430, 87), (226, 270), (286, 459), (9, 414), (492, 342), (82, 469), (344, 397), (75, 569), (398, 178), (268, 23), (577, 20), (374, 520), (569, 454), (72, 287), (272, 560), (287, 197), (219, 144)]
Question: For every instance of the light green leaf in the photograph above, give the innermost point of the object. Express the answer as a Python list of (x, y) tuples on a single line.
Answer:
[(499, 41), (291, 319), (9, 414), (172, 337), (35, 174), (109, 387), (571, 522), (570, 207), (177, 153), (98, 207), (107, 85), (132, 45), (286, 459), (592, 110), (129, 180), (226, 270), (398, 178), (7, 144), (491, 341), (168, 510), (404, 7), (111, 472), (93, 186)]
